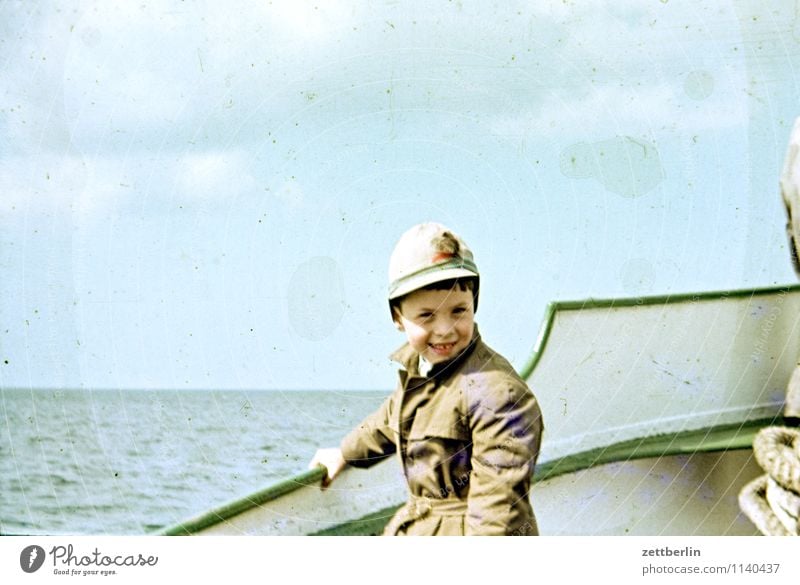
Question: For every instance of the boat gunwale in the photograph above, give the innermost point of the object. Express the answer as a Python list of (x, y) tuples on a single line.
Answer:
[(238, 506), (555, 307)]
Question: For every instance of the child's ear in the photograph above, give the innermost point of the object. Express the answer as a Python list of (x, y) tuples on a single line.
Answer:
[(398, 322)]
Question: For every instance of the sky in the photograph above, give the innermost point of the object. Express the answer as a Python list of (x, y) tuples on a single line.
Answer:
[(204, 195)]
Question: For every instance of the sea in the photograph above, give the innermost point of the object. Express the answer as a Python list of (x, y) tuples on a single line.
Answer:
[(120, 462)]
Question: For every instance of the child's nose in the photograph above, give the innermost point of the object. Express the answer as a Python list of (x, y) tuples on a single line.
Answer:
[(443, 326)]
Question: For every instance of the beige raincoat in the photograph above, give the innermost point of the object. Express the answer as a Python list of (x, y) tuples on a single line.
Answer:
[(467, 436)]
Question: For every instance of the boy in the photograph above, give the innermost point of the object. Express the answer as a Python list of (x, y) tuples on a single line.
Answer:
[(465, 426)]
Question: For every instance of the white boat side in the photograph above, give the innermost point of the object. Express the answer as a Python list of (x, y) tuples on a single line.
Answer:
[(649, 406)]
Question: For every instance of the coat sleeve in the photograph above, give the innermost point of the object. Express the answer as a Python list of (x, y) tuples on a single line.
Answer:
[(506, 426), (373, 439)]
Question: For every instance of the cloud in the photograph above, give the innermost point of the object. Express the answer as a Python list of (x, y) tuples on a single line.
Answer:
[(625, 110), (311, 19), (603, 68), (213, 174), (173, 75), (181, 92), (168, 76)]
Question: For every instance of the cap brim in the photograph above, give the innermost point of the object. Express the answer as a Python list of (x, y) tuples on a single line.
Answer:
[(419, 281)]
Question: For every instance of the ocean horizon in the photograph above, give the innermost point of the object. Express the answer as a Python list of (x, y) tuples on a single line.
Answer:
[(104, 461)]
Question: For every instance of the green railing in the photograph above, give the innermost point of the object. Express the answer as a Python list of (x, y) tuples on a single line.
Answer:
[(236, 507)]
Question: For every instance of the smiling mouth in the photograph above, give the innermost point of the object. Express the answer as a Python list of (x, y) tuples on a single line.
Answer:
[(442, 348)]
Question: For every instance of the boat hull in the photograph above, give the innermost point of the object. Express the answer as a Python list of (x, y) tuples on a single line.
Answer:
[(675, 495), (678, 495), (650, 406)]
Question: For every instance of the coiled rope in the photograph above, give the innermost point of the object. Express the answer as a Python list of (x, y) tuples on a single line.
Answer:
[(772, 501)]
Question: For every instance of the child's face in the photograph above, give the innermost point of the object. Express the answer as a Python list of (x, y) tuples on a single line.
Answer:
[(437, 323)]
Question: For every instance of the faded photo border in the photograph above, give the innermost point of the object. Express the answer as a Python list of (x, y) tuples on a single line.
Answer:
[(198, 203)]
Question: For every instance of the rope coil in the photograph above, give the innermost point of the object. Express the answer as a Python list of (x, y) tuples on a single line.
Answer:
[(772, 501), (777, 450), (753, 502), (783, 504)]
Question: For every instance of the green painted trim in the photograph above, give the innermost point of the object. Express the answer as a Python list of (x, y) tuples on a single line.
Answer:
[(707, 440), (236, 507), (554, 307), (369, 525), (717, 438), (541, 341)]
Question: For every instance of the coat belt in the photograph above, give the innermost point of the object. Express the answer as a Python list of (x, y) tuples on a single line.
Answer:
[(419, 506)]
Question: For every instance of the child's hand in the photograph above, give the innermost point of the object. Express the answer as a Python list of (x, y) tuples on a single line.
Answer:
[(331, 459)]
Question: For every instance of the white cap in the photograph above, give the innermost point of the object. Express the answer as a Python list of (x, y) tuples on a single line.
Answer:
[(428, 253)]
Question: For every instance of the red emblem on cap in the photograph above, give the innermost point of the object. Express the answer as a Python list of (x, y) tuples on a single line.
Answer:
[(441, 256), (446, 247)]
